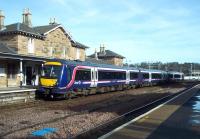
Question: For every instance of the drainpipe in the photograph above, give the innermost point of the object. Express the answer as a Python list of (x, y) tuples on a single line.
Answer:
[(21, 73)]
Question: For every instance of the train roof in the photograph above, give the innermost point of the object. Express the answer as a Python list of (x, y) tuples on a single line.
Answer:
[(175, 72), (87, 63), (151, 70)]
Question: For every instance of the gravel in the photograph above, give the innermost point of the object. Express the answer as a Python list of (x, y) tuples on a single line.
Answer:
[(71, 117)]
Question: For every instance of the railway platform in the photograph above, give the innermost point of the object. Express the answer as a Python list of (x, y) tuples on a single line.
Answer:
[(16, 94), (176, 118)]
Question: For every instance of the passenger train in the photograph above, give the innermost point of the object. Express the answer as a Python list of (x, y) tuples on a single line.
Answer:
[(64, 78)]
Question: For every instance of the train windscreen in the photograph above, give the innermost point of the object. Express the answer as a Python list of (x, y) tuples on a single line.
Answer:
[(51, 71)]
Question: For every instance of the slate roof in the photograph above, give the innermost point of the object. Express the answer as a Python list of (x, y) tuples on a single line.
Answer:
[(37, 32), (5, 49), (19, 28), (107, 53), (93, 60), (46, 28), (79, 45)]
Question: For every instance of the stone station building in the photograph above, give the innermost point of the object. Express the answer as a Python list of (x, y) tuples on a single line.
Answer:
[(23, 49), (107, 56)]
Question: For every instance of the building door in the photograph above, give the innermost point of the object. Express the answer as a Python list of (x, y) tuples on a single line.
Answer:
[(28, 75)]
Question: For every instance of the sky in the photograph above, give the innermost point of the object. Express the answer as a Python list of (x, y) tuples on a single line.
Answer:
[(140, 30)]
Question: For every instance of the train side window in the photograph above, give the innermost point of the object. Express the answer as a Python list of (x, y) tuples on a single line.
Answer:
[(177, 76), (96, 75), (92, 74), (133, 75), (111, 75), (146, 75), (171, 76), (83, 75), (156, 76)]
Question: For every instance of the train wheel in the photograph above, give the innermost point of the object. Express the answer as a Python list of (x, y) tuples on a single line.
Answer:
[(68, 95)]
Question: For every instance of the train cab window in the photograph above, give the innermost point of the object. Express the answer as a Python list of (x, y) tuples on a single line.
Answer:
[(51, 71), (83, 75), (146, 75), (69, 74), (133, 75)]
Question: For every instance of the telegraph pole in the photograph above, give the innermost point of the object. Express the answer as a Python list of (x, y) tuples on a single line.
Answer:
[(149, 65)]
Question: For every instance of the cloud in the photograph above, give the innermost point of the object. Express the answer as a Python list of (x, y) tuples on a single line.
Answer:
[(144, 28)]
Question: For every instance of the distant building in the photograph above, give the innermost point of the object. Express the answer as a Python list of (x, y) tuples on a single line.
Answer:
[(23, 48), (107, 56)]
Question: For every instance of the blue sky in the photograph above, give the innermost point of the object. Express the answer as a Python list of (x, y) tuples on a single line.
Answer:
[(140, 30)]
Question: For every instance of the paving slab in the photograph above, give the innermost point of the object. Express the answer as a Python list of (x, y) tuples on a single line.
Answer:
[(179, 118)]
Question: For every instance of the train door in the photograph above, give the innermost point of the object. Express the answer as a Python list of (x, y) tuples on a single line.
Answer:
[(150, 77), (94, 77), (127, 77)]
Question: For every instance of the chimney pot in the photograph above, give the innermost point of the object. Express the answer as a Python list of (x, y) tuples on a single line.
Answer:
[(27, 17), (102, 49), (96, 55), (2, 17), (50, 21)]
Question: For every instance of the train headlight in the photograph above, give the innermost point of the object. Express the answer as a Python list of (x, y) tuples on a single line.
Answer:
[(57, 84)]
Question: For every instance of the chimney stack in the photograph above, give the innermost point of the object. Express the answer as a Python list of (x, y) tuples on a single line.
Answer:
[(2, 17), (102, 49), (96, 54), (52, 22), (27, 17)]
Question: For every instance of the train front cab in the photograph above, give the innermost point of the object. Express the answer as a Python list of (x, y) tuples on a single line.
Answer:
[(51, 81)]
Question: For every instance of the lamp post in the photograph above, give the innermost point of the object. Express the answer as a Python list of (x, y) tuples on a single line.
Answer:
[(191, 70), (149, 65)]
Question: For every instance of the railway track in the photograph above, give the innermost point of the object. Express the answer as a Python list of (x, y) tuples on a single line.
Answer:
[(39, 102), (108, 126), (80, 108)]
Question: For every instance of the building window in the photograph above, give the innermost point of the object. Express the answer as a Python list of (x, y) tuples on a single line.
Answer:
[(77, 53), (31, 46), (12, 71)]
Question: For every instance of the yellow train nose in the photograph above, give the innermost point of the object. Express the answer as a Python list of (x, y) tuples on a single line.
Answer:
[(48, 82)]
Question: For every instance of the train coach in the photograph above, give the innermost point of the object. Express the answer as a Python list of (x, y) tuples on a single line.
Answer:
[(175, 76), (65, 78), (153, 77)]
